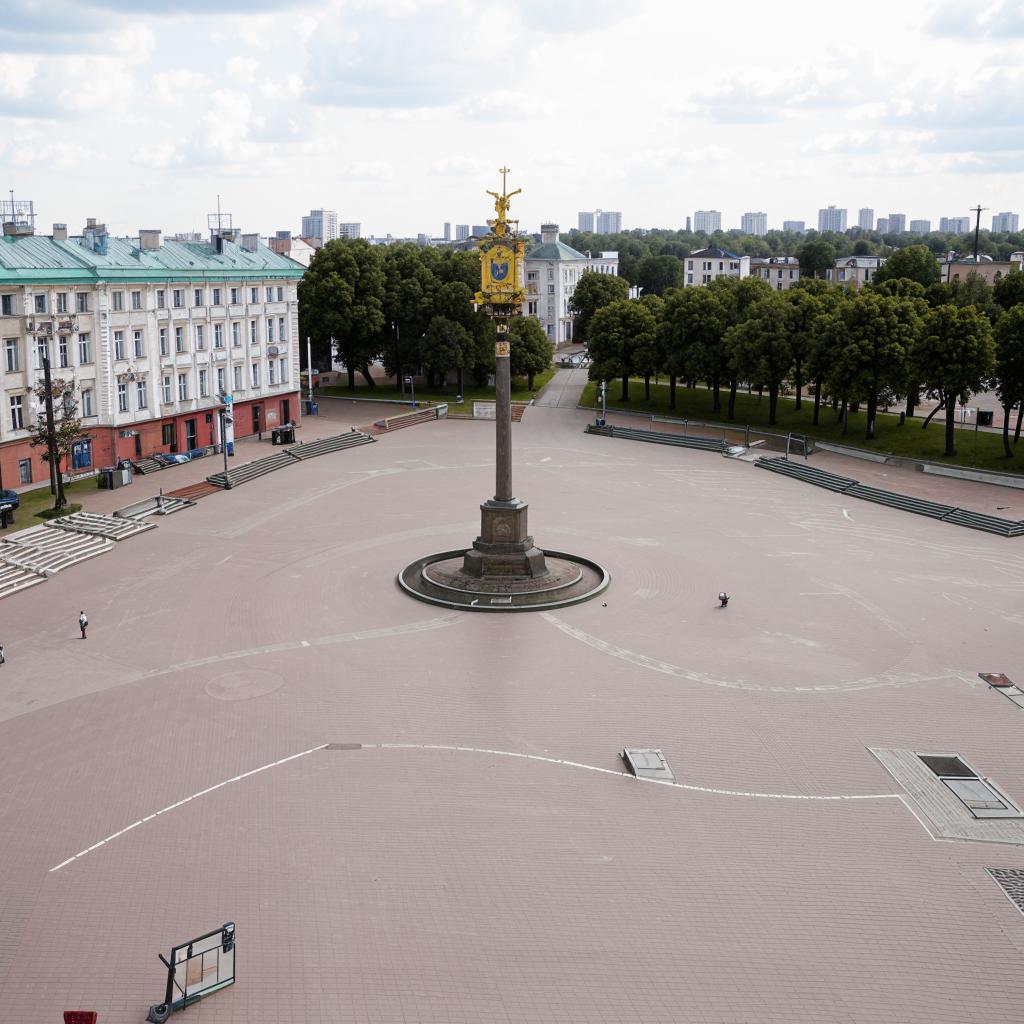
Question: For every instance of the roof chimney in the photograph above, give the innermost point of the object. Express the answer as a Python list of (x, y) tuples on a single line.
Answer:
[(250, 242), (149, 239), (60, 232), (549, 233)]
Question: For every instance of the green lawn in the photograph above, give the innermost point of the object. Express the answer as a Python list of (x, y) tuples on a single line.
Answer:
[(40, 498), (981, 449), (520, 392)]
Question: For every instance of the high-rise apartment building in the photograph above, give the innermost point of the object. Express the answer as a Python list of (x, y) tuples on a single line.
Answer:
[(920, 227), (798, 227), (604, 222), (447, 231), (865, 218), (955, 225), (708, 221), (897, 223), (832, 219), (322, 224), (350, 230), (754, 224), (461, 232), (1006, 222), (585, 220), (882, 227)]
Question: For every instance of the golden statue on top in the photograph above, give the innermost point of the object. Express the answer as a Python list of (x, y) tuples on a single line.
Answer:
[(501, 257), (501, 203)]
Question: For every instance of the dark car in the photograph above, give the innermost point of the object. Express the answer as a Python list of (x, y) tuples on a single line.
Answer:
[(9, 501)]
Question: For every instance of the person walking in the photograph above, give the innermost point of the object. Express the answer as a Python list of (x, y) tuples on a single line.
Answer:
[(83, 621), (3, 657)]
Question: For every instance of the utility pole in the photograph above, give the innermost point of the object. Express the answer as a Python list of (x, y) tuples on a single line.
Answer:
[(976, 210), (56, 480)]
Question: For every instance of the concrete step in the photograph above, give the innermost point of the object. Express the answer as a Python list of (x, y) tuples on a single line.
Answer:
[(325, 445), (147, 465), (114, 527), (807, 473)]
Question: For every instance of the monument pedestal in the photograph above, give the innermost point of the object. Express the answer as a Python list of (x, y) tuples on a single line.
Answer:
[(504, 548)]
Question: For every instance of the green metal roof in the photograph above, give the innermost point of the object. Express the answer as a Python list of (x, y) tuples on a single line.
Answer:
[(554, 251), (38, 258)]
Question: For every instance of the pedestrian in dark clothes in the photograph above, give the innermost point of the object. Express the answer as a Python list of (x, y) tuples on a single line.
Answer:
[(83, 621)]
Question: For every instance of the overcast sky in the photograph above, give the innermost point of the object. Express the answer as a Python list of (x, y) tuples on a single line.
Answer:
[(398, 114)]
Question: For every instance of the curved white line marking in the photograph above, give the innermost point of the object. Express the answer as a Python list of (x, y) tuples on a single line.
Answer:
[(667, 668), (194, 796), (480, 750)]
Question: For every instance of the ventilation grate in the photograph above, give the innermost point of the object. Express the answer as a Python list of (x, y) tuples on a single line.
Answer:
[(1011, 881)]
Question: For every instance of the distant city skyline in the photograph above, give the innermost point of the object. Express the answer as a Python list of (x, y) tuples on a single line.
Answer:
[(283, 106)]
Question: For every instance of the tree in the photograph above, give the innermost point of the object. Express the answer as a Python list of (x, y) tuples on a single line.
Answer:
[(1009, 291), (411, 302), (759, 347), (445, 348), (736, 296), (531, 351), (592, 292), (66, 433), (897, 287), (659, 273), (953, 357), (692, 339), (341, 303), (803, 310), (616, 333), (816, 256), (1009, 338), (915, 262), (974, 291)]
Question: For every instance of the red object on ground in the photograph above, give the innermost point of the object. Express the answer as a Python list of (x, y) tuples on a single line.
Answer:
[(996, 679), (79, 1017)]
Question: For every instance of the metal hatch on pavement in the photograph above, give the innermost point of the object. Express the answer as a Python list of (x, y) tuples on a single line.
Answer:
[(647, 763)]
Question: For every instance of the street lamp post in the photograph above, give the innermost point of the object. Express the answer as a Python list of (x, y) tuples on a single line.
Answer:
[(410, 382), (604, 401)]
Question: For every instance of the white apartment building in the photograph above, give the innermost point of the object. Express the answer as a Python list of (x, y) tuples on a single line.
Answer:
[(955, 225), (798, 227), (602, 222), (1006, 222), (708, 221), (350, 229), (152, 333), (921, 227), (832, 218), (322, 224), (551, 272), (754, 224), (781, 272), (865, 218), (854, 271), (704, 265), (897, 223)]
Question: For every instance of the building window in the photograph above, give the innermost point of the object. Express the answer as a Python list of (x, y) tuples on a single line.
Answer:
[(979, 795), (270, 329), (182, 387), (82, 302), (119, 344), (218, 335), (216, 296), (179, 339), (271, 373), (84, 348), (280, 295), (87, 402), (281, 335), (62, 353), (253, 336), (200, 343), (221, 380), (197, 296), (177, 298), (531, 275), (531, 308), (140, 394), (270, 295), (236, 373), (136, 300), (689, 278), (167, 434), (204, 383), (62, 302), (255, 375), (551, 289), (40, 303), (117, 301), (12, 360), (284, 371), (42, 352), (25, 471), (137, 344), (17, 413), (122, 397), (81, 454), (6, 305), (254, 295), (161, 299), (236, 335), (164, 347), (233, 295), (166, 388)]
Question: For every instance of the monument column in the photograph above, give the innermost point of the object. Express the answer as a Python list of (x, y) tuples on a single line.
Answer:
[(502, 414)]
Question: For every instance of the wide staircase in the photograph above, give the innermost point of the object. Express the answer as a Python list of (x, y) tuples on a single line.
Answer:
[(147, 465), (710, 444), (893, 499), (112, 527), (325, 445)]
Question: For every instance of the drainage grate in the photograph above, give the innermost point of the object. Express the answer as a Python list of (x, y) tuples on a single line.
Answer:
[(344, 746), (647, 763), (1011, 881)]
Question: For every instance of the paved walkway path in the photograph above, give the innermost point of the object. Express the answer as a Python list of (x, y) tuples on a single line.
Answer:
[(563, 391)]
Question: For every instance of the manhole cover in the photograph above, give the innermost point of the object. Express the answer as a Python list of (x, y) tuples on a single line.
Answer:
[(244, 685)]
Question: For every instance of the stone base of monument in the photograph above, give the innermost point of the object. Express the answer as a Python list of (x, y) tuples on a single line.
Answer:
[(442, 579)]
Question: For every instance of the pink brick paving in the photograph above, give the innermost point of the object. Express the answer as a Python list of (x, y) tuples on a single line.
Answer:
[(410, 883)]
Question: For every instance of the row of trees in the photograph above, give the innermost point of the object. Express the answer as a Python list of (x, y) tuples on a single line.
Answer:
[(891, 341), (410, 307), (637, 248)]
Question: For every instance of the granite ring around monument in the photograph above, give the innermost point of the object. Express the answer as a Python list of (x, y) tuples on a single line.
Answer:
[(440, 579)]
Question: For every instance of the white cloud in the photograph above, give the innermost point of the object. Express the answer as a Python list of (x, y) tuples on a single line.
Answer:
[(16, 74), (176, 87)]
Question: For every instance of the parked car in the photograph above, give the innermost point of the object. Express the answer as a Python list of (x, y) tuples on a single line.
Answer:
[(9, 501)]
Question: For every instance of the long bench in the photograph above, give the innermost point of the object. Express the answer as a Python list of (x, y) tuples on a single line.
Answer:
[(710, 444)]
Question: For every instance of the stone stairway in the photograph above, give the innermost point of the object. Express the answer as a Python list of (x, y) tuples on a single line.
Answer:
[(112, 527), (710, 444), (147, 465), (324, 445), (46, 552)]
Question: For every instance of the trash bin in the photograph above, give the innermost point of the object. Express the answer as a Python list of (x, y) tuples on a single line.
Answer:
[(275, 435), (286, 435), (984, 417), (311, 408)]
